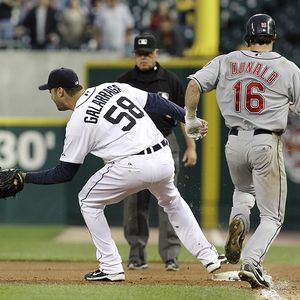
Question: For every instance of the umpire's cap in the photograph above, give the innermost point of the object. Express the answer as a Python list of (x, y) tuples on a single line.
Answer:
[(145, 42), (62, 77)]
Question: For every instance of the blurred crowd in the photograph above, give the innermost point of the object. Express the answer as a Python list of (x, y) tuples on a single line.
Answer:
[(109, 25), (234, 13)]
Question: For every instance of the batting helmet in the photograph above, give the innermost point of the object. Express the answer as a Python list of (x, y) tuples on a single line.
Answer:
[(260, 25)]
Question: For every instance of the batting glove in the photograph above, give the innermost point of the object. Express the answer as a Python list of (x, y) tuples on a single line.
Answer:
[(195, 128)]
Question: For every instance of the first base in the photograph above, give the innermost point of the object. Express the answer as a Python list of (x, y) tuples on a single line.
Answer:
[(226, 276)]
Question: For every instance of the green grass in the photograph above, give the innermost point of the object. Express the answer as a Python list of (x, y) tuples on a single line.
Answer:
[(117, 292), (30, 242), (283, 255), (38, 243)]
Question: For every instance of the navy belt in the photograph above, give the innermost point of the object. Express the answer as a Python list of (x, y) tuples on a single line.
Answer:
[(235, 131), (154, 148)]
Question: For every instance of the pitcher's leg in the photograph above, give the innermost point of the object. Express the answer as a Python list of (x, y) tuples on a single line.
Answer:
[(107, 253), (107, 186), (184, 222)]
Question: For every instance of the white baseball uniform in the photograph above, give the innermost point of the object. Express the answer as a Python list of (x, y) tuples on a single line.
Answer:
[(253, 91), (109, 122)]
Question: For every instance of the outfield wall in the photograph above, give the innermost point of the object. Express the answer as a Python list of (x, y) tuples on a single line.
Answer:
[(32, 133)]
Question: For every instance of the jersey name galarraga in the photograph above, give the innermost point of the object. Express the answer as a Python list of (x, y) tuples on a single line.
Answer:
[(251, 88), (109, 122)]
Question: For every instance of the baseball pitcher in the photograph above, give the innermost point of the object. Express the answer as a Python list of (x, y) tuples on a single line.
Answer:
[(110, 122)]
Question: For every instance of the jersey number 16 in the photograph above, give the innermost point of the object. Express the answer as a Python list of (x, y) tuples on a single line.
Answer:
[(250, 95)]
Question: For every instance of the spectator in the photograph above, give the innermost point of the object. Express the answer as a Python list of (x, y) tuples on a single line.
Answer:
[(161, 12), (112, 24), (95, 8), (41, 24), (128, 43), (62, 4), (25, 7), (169, 37), (6, 23), (186, 19), (73, 25)]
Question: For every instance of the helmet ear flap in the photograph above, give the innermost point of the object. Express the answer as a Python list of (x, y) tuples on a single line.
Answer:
[(247, 39)]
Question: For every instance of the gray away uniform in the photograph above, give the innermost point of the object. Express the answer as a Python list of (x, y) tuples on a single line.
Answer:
[(254, 91)]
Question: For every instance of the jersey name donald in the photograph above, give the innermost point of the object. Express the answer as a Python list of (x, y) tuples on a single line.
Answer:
[(259, 70), (106, 121)]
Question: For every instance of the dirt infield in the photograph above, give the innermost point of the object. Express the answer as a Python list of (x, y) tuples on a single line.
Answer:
[(286, 278)]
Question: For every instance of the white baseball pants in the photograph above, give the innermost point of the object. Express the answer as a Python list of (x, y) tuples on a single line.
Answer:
[(115, 181)]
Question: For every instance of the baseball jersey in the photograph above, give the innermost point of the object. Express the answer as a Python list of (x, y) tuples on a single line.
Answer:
[(253, 89), (109, 122)]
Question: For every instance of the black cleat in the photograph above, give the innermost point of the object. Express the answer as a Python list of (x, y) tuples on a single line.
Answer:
[(99, 275), (137, 266), (171, 265), (255, 276)]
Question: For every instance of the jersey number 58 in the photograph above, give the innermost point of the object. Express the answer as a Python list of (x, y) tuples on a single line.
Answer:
[(131, 113)]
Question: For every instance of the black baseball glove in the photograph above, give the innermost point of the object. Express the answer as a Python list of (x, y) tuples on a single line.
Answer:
[(11, 182)]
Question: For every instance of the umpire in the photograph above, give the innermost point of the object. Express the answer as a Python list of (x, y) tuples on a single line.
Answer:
[(148, 75)]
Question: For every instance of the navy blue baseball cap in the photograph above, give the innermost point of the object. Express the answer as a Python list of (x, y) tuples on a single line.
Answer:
[(62, 77)]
